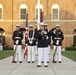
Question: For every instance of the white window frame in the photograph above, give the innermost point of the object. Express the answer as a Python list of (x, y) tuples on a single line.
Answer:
[(41, 7), (2, 11), (22, 6), (54, 6)]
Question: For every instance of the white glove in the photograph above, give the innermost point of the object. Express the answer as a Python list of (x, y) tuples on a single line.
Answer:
[(36, 43), (32, 38), (42, 32), (47, 37), (45, 32), (17, 41), (57, 42)]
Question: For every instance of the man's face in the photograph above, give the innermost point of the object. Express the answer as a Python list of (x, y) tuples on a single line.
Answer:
[(41, 27), (57, 28), (30, 29), (18, 28), (54, 30), (45, 27)]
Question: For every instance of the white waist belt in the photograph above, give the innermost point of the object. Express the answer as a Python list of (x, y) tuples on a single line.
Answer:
[(17, 37), (57, 38)]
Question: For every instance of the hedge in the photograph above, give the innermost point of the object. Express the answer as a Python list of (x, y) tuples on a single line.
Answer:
[(70, 49), (8, 48)]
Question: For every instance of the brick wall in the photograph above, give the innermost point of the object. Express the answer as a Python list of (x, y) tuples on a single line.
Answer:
[(67, 17)]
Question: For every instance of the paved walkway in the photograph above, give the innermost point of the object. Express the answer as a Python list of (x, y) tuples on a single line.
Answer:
[(67, 67)]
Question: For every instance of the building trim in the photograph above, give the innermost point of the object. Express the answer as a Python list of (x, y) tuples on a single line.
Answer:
[(36, 20), (60, 21), (68, 35)]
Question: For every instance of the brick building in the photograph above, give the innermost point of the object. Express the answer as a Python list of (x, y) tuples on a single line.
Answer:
[(61, 12)]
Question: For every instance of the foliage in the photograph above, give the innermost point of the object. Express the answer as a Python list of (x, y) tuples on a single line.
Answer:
[(70, 49), (8, 48)]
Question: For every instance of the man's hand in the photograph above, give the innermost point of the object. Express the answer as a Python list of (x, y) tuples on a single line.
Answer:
[(57, 42), (17, 42)]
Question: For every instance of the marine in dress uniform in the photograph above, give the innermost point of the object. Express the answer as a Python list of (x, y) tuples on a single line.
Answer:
[(57, 38), (17, 38), (49, 41), (42, 35), (31, 45)]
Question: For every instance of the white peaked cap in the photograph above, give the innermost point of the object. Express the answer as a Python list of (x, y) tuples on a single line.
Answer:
[(57, 25), (17, 25), (31, 26), (45, 24), (42, 23)]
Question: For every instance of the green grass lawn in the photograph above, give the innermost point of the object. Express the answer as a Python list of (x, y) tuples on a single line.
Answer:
[(70, 54), (5, 54)]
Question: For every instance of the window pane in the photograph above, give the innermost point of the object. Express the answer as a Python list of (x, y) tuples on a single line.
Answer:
[(36, 17), (23, 11), (37, 13), (23, 14), (0, 16), (0, 10), (55, 11), (55, 14), (23, 17), (0, 13)]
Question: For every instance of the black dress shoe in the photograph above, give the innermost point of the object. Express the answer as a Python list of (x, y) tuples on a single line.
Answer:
[(47, 61), (59, 61), (46, 65), (38, 65), (54, 61), (20, 62), (29, 62), (42, 62), (15, 61), (32, 61)]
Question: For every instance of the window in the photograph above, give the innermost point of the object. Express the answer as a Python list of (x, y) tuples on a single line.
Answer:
[(74, 37), (41, 9), (55, 12), (23, 9), (1, 7), (74, 40)]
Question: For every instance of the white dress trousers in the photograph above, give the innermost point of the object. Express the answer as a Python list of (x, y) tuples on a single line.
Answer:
[(58, 53), (31, 53), (42, 54), (18, 52), (36, 51), (48, 52)]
